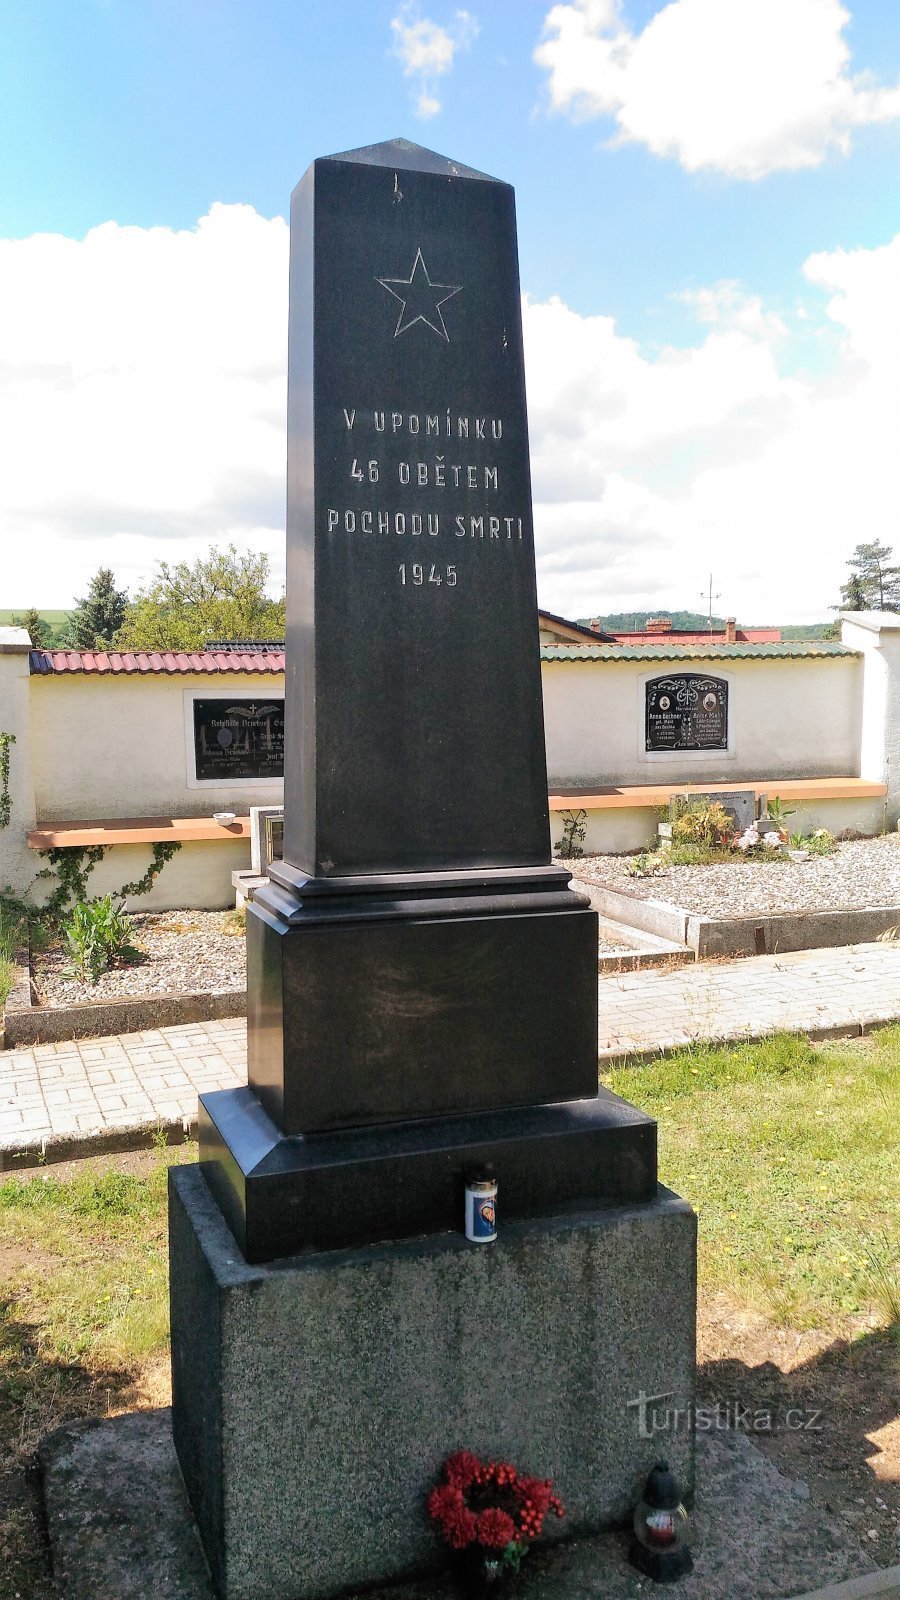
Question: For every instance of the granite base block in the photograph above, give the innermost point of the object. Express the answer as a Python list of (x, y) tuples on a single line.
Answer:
[(314, 1399)]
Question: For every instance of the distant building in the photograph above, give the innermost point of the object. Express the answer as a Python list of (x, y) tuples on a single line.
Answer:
[(559, 630), (659, 630)]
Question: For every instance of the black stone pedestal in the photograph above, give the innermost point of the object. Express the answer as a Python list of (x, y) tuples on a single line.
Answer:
[(281, 1194), (406, 1036), (419, 996)]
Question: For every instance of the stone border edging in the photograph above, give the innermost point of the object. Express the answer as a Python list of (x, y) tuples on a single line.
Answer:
[(751, 934), (28, 1024), (77, 1146)]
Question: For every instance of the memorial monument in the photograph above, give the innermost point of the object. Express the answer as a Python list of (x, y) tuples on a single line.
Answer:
[(422, 981)]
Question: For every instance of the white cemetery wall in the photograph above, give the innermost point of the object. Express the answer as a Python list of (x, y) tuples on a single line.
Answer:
[(877, 635), (120, 745), (16, 860), (197, 876), (788, 717), (91, 747)]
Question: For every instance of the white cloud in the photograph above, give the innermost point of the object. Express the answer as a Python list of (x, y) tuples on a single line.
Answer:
[(427, 50), (142, 405), (744, 87), (650, 473), (142, 398)]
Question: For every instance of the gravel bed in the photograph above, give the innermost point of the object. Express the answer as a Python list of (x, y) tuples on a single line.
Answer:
[(186, 952), (862, 872)]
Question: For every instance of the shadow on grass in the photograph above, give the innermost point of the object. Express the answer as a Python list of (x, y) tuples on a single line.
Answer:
[(818, 1422), (38, 1393)]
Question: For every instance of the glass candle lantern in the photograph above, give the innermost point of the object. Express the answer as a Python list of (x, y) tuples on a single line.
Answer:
[(661, 1525)]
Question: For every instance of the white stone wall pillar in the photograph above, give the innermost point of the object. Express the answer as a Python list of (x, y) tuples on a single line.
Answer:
[(18, 864), (877, 635)]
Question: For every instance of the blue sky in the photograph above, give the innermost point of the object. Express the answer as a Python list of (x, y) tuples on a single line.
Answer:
[(673, 315)]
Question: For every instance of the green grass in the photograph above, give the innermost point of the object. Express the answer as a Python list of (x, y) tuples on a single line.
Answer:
[(789, 1153), (8, 944), (91, 1278)]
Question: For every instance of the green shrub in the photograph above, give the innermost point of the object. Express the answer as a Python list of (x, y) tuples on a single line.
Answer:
[(98, 934), (703, 822)]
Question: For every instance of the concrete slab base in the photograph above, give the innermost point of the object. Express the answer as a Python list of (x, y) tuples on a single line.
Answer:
[(315, 1399), (121, 1529)]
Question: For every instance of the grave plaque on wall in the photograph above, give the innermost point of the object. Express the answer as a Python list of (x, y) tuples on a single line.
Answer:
[(238, 739), (686, 711)]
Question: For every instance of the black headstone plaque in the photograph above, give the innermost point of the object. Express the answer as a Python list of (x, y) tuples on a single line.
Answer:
[(421, 980), (238, 739), (686, 711)]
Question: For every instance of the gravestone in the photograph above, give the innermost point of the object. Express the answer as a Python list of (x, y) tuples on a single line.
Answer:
[(238, 738), (686, 711), (266, 837), (422, 980)]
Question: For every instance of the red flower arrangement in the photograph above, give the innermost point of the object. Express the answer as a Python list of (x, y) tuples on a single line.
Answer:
[(490, 1511)]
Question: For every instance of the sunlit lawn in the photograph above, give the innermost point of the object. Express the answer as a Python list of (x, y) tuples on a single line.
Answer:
[(787, 1150), (789, 1153)]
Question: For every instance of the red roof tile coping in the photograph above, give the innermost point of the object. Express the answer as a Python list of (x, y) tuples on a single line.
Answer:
[(167, 661)]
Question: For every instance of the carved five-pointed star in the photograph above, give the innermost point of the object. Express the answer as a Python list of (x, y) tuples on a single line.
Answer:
[(420, 299)]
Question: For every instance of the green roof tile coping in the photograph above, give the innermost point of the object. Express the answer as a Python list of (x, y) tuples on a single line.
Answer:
[(798, 650)]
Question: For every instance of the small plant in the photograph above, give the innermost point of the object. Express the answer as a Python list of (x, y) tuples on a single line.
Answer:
[(98, 934), (490, 1513), (696, 855), (776, 812), (647, 863), (703, 822), (820, 843), (570, 846), (754, 841)]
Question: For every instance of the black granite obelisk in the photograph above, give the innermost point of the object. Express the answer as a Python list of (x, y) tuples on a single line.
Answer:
[(422, 982)]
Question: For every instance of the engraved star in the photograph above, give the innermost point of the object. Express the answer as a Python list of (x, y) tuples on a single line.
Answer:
[(420, 299)]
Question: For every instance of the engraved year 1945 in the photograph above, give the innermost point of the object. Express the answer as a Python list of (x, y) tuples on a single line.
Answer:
[(418, 573)]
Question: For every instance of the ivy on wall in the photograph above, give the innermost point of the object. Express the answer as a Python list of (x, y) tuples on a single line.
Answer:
[(6, 739), (71, 866), (163, 851)]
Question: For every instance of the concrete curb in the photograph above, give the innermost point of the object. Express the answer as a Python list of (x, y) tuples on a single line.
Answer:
[(833, 1030), (885, 1583), (26, 1024), (656, 917), (753, 934), (79, 1145), (775, 933), (639, 960)]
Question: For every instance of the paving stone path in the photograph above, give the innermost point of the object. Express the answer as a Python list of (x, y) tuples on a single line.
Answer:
[(819, 992), (84, 1094)]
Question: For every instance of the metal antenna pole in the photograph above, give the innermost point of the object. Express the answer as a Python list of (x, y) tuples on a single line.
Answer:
[(708, 595)]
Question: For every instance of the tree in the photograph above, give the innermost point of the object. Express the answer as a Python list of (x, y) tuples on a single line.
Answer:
[(39, 631), (221, 597), (873, 584), (96, 619)]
